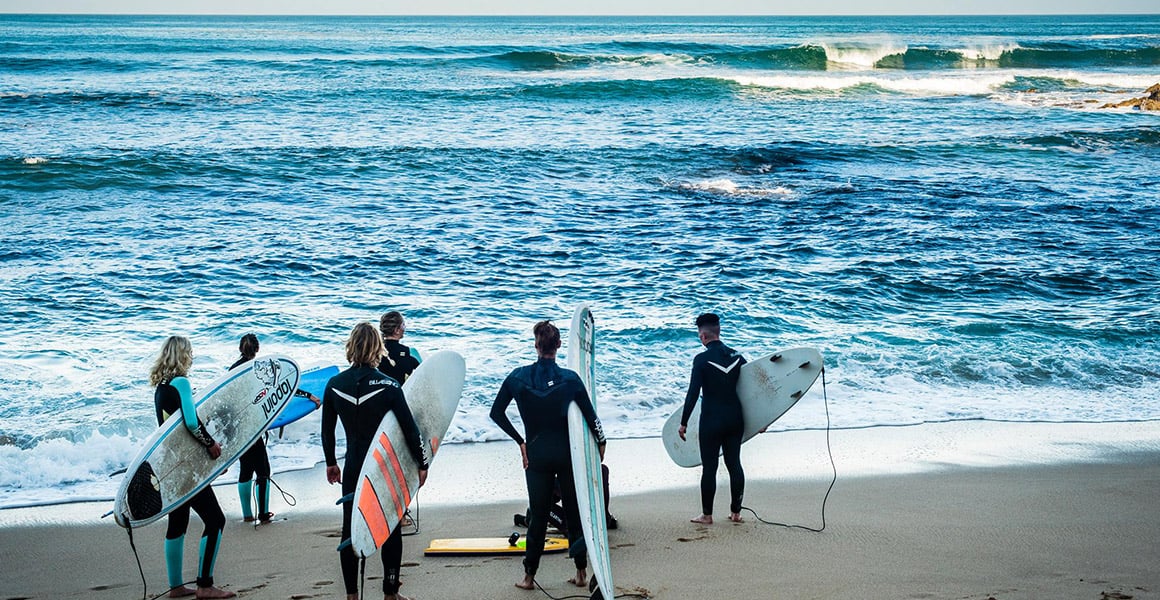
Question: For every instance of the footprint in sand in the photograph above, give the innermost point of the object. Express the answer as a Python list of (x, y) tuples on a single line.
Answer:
[(692, 539)]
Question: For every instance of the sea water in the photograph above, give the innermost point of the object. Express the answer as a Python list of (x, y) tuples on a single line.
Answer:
[(939, 204)]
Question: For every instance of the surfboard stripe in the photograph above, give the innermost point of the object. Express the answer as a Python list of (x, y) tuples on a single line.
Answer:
[(371, 510), (389, 478), (400, 478)]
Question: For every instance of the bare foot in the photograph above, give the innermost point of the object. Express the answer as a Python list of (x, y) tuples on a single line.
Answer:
[(181, 592), (703, 520), (581, 578), (213, 592), (736, 518), (528, 583)]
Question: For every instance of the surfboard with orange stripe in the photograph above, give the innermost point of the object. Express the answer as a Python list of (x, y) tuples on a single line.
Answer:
[(389, 478)]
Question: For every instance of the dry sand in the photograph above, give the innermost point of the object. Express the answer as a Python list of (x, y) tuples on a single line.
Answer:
[(1018, 517)]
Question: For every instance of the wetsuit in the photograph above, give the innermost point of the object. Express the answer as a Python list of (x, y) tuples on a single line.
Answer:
[(254, 461), (399, 361), (168, 398), (715, 374), (542, 392), (360, 397)]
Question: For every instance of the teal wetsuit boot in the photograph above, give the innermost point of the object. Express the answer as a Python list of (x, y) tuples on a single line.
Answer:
[(174, 555), (245, 488), (264, 514)]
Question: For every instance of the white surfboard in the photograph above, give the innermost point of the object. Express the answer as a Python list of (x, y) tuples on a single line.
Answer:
[(586, 470), (172, 466), (768, 387), (390, 476)]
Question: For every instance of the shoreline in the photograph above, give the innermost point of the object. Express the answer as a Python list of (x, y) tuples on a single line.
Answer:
[(1021, 512)]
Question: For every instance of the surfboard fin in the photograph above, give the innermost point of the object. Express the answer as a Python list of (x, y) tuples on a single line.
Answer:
[(775, 358), (347, 498), (796, 395), (119, 472), (804, 365), (344, 545)]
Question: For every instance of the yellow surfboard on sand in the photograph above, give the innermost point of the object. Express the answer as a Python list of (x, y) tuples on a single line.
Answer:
[(489, 545)]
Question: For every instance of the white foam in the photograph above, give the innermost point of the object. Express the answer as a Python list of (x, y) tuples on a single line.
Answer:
[(35, 160), (861, 55), (729, 187), (990, 51), (949, 85)]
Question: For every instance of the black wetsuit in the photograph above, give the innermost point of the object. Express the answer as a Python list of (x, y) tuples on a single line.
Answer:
[(360, 397), (255, 461), (542, 392), (715, 374), (399, 361), (166, 402)]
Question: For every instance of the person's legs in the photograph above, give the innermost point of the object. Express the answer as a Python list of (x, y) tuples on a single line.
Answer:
[(731, 445), (175, 550), (392, 552), (539, 501), (262, 470), (246, 466), (346, 557), (575, 531), (710, 445), (205, 504)]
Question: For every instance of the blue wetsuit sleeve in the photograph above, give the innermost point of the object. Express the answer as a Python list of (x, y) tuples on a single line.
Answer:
[(691, 395), (329, 422), (581, 399), (189, 412), (410, 429), (415, 353), (499, 411)]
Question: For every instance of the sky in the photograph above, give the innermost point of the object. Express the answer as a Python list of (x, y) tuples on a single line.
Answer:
[(588, 7)]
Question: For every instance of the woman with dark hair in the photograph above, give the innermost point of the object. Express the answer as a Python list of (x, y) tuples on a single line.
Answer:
[(398, 361), (542, 392), (173, 393), (255, 460), (360, 397)]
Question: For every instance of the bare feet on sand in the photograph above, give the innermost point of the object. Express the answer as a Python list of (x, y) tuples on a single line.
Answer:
[(212, 592), (528, 583), (736, 518), (181, 592), (703, 520), (581, 578)]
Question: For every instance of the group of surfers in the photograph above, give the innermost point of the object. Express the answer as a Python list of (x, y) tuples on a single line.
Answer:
[(360, 396)]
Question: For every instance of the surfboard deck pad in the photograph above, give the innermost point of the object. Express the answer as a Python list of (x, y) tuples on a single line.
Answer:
[(488, 546)]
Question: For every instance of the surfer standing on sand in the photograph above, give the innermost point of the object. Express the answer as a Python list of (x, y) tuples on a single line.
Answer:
[(542, 392), (360, 397), (254, 461), (715, 374), (173, 393)]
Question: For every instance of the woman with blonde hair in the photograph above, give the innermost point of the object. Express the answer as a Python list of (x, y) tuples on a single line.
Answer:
[(360, 397), (172, 393)]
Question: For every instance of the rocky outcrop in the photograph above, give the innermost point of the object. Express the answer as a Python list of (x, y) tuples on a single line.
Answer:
[(1149, 102)]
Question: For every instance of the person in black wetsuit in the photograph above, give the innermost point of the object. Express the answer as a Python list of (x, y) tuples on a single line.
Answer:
[(714, 378), (399, 361), (256, 460), (173, 393), (360, 397), (542, 392)]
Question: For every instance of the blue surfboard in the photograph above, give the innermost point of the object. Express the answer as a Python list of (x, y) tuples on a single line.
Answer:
[(313, 381)]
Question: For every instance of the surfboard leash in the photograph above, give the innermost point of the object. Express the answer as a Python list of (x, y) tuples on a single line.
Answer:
[(833, 467), (141, 571), (592, 595)]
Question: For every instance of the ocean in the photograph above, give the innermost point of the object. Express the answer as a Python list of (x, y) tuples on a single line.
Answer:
[(937, 203)]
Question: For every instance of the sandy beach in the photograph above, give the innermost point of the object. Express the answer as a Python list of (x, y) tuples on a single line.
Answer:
[(960, 510)]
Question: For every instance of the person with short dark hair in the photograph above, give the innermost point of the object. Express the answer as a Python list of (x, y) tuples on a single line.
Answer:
[(542, 392), (360, 397), (714, 379)]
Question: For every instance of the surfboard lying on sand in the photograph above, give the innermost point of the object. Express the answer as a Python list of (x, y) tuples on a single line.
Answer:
[(390, 476), (585, 455), (489, 546), (172, 466), (313, 381), (768, 387)]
